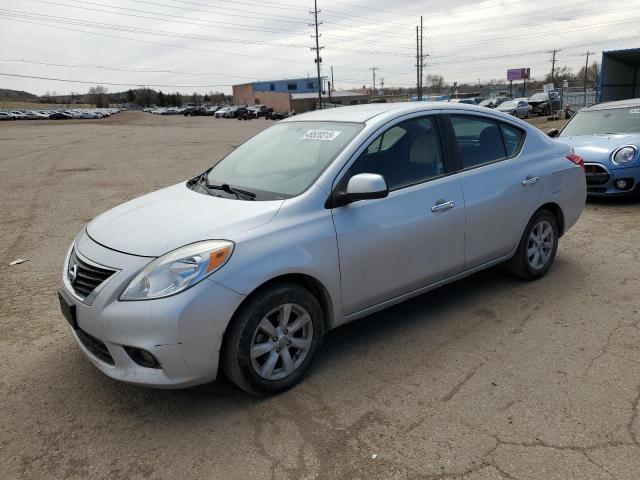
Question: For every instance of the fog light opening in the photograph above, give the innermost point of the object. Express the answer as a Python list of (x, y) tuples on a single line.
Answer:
[(624, 183), (142, 357), (621, 184)]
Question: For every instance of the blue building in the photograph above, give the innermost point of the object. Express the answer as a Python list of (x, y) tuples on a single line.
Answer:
[(292, 85)]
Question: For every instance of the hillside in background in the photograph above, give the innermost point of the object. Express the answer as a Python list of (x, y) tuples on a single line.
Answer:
[(17, 96)]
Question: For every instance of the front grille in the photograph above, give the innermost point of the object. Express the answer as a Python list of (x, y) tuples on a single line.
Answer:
[(95, 346), (596, 174), (85, 278)]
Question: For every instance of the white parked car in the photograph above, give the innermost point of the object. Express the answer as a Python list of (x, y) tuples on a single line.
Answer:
[(321, 219)]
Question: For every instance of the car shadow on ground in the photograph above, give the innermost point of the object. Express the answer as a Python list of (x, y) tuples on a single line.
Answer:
[(622, 200)]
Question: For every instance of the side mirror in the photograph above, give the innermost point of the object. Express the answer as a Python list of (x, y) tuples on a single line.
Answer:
[(364, 186), (553, 132)]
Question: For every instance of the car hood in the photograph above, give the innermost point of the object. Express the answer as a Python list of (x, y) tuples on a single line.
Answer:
[(598, 148), (159, 222)]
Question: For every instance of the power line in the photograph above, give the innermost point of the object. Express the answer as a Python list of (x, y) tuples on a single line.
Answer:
[(170, 17), (114, 84), (125, 69), (145, 31), (546, 33), (185, 47)]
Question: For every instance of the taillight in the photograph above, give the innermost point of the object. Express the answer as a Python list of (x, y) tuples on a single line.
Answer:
[(577, 159)]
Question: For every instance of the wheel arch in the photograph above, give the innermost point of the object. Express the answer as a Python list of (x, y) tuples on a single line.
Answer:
[(557, 212), (312, 284)]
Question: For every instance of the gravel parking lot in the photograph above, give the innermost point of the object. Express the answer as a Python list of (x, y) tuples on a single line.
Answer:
[(487, 378)]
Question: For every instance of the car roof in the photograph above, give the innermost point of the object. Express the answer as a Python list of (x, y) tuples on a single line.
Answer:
[(365, 113), (631, 102)]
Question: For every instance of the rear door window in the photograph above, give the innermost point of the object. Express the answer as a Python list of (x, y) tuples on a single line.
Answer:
[(479, 140)]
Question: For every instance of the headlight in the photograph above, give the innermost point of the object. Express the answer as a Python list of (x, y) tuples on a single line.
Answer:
[(624, 155), (178, 270)]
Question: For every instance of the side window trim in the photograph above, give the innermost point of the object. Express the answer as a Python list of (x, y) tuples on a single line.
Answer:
[(446, 117)]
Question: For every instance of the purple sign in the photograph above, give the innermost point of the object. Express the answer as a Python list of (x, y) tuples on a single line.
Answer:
[(518, 74)]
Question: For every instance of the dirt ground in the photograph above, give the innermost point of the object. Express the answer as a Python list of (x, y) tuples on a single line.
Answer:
[(488, 378)]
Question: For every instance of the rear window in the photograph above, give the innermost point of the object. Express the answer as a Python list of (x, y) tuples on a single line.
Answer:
[(483, 140)]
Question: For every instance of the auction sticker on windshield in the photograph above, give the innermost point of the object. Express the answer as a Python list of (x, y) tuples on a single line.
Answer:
[(328, 135), (634, 111)]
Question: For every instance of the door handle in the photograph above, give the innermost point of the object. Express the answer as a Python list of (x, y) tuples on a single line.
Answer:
[(530, 181), (441, 206)]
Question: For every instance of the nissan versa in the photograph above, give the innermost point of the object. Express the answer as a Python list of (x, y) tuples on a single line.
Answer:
[(321, 219)]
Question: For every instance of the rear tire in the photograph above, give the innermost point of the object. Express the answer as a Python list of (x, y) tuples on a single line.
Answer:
[(537, 248), (273, 339)]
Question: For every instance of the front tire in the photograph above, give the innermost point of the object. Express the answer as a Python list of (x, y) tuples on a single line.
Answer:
[(537, 248), (273, 339)]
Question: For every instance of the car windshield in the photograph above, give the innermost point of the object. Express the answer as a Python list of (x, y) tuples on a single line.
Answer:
[(538, 97), (510, 104), (600, 122), (284, 160)]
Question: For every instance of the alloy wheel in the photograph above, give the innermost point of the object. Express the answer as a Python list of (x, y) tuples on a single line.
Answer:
[(281, 341), (540, 245)]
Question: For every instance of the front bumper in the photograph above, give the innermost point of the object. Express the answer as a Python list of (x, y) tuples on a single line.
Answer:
[(601, 180), (183, 332)]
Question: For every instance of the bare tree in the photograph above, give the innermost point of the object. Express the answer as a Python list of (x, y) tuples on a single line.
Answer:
[(435, 83), (99, 95)]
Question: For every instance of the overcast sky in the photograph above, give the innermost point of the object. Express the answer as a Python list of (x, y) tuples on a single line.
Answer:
[(205, 45)]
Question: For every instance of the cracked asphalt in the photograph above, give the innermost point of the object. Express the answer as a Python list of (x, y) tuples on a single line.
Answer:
[(487, 378)]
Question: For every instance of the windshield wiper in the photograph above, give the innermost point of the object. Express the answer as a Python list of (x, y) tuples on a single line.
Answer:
[(225, 187)]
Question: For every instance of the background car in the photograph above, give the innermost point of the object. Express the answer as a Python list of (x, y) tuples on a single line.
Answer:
[(220, 113), (7, 116), (543, 103), (607, 136), (235, 112), (258, 111), (468, 101), (517, 108), (19, 115), (61, 116)]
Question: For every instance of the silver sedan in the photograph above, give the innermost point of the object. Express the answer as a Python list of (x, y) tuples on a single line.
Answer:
[(317, 221)]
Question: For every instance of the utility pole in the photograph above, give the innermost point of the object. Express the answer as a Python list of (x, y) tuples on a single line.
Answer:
[(317, 48), (586, 71), (553, 63), (332, 83), (418, 64), (382, 85), (373, 69), (586, 68), (421, 60)]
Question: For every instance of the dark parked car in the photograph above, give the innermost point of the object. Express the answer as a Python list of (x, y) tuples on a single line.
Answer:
[(493, 102), (195, 111), (235, 112), (257, 111), (60, 116), (279, 115), (544, 103)]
